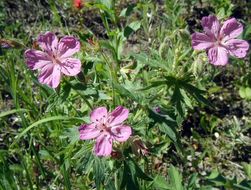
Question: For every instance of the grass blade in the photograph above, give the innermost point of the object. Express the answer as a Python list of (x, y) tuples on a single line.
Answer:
[(53, 118), (3, 114)]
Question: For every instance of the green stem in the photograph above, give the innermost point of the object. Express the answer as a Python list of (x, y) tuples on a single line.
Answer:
[(113, 75), (79, 93), (66, 177), (27, 175), (38, 160), (85, 100)]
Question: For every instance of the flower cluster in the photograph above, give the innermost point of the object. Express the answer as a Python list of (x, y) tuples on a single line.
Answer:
[(55, 59)]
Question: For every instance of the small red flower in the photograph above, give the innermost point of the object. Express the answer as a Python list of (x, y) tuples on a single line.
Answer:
[(78, 4)]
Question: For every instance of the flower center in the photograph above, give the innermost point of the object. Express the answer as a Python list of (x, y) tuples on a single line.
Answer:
[(218, 42), (55, 59), (104, 128)]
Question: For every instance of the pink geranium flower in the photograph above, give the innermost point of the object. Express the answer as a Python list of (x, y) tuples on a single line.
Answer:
[(105, 128), (219, 40), (55, 59)]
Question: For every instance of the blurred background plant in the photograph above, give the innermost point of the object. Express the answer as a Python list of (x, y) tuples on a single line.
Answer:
[(191, 121)]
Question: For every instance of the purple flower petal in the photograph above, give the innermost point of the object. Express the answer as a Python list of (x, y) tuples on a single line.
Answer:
[(201, 41), (103, 146), (121, 133), (211, 25), (88, 131), (231, 29), (99, 114), (45, 73), (71, 66), (118, 115), (56, 76), (68, 46), (48, 42), (218, 56), (36, 59), (50, 75), (238, 48)]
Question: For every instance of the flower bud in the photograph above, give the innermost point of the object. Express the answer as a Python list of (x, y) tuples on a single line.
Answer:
[(138, 146)]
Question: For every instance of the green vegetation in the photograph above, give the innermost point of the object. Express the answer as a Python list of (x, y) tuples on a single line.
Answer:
[(190, 119)]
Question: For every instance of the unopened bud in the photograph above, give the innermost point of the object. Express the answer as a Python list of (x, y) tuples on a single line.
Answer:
[(139, 147)]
